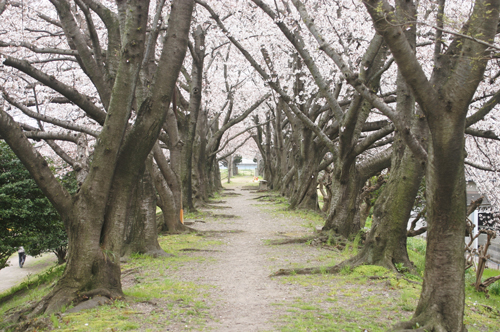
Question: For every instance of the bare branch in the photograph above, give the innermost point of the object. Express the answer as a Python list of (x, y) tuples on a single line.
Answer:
[(233, 150), (238, 134), (360, 87), (37, 49), (482, 133), (478, 166)]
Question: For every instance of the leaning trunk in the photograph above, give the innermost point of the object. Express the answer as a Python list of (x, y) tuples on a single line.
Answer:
[(386, 243), (343, 218), (306, 196), (141, 234)]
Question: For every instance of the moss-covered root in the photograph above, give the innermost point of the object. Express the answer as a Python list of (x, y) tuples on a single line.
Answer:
[(431, 321), (312, 270), (304, 239)]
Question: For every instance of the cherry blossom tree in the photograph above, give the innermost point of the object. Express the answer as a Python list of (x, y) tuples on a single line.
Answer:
[(444, 100), (132, 107)]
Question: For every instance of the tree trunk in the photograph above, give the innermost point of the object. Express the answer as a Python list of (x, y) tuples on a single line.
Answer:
[(305, 195), (194, 109), (200, 160), (90, 269), (170, 215), (168, 185), (343, 217), (386, 243), (93, 218), (141, 232)]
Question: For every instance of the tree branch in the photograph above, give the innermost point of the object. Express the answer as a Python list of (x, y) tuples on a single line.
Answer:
[(37, 49)]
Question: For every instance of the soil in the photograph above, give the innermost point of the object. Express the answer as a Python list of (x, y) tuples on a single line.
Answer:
[(245, 295)]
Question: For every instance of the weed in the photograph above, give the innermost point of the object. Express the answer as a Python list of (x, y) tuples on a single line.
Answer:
[(494, 289), (401, 267), (331, 241), (346, 270), (54, 321)]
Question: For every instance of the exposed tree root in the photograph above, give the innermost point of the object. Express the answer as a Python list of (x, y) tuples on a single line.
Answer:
[(53, 303), (250, 188), (429, 321), (324, 240), (229, 216), (208, 206), (130, 271), (35, 324), (230, 194), (95, 292), (218, 233), (492, 310), (17, 293), (158, 253), (199, 250), (308, 270), (217, 202), (184, 229), (293, 240), (267, 198)]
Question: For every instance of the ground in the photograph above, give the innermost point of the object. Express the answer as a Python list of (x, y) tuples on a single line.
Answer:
[(220, 280)]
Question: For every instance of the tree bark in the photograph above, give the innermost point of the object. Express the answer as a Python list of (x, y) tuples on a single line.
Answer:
[(141, 232)]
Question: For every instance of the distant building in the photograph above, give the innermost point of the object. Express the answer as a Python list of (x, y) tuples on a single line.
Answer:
[(247, 164), (482, 218)]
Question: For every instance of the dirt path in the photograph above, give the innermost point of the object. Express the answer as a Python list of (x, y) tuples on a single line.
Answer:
[(14, 275), (241, 270)]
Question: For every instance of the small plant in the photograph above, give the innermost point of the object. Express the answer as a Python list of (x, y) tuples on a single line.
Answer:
[(331, 241), (346, 270), (120, 304), (355, 243), (401, 267), (54, 321)]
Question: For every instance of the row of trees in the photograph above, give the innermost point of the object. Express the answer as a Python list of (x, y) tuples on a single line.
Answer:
[(108, 88)]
